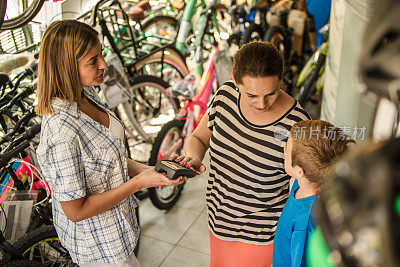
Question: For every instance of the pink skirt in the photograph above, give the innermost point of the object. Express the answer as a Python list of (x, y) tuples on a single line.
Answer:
[(238, 254)]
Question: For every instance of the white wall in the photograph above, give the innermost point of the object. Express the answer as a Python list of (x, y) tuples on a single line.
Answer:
[(344, 103)]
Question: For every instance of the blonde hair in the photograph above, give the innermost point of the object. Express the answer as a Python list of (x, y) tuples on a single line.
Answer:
[(316, 144), (64, 43)]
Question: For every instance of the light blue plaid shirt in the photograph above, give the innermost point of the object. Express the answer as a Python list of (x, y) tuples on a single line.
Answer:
[(80, 157)]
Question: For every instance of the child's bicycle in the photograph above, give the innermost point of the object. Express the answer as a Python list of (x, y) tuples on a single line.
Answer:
[(173, 135)]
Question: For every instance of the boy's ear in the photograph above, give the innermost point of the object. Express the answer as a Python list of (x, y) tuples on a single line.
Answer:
[(300, 172)]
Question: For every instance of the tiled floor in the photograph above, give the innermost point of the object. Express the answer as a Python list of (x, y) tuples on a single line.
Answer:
[(179, 236)]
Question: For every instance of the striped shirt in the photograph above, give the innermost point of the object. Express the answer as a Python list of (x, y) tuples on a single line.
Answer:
[(247, 186)]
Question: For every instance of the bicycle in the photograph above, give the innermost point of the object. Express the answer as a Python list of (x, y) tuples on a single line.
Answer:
[(161, 20), (256, 18), (15, 13), (312, 77), (40, 247), (16, 141), (173, 135), (40, 243), (292, 32), (214, 21)]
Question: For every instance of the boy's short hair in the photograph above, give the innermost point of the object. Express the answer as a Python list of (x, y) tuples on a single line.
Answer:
[(316, 143), (257, 59)]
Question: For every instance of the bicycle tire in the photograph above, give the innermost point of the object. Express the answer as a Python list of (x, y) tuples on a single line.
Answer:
[(234, 39), (248, 35), (164, 19), (172, 60), (26, 16), (28, 245), (155, 193), (3, 8), (149, 100)]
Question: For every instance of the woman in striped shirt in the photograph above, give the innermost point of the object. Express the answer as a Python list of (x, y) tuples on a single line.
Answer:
[(246, 128)]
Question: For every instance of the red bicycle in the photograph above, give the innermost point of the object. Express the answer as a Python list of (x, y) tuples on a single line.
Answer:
[(174, 134)]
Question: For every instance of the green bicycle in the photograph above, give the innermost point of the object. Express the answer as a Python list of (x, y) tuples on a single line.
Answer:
[(214, 22)]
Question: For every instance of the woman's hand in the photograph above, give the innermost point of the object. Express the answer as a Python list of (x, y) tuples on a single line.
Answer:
[(189, 162), (151, 178)]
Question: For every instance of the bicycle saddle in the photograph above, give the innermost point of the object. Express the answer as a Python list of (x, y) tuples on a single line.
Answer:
[(262, 4), (145, 5), (136, 12), (11, 62)]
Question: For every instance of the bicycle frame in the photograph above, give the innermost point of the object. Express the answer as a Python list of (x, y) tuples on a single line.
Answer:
[(186, 26), (195, 108), (311, 64), (22, 173)]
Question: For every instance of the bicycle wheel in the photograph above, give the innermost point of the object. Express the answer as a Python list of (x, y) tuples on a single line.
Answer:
[(171, 67), (149, 107), (20, 12), (234, 43), (252, 33), (169, 141), (42, 245), (162, 25)]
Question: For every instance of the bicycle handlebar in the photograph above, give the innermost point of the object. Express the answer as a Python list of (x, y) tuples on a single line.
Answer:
[(25, 118), (28, 91), (27, 72), (7, 156), (95, 11), (22, 142)]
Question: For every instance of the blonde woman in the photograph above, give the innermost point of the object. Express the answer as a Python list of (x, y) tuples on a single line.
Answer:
[(82, 152)]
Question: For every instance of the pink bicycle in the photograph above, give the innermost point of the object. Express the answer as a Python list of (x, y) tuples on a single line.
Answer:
[(174, 134)]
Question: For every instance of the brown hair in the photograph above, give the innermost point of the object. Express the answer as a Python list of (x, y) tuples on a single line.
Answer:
[(316, 144), (257, 59), (64, 43)]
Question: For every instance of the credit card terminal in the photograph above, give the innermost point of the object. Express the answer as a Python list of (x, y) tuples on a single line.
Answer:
[(173, 169)]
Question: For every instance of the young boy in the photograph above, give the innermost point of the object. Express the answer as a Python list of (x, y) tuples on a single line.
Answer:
[(309, 151)]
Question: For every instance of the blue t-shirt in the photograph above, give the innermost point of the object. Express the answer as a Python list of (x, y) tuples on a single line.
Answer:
[(294, 227)]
